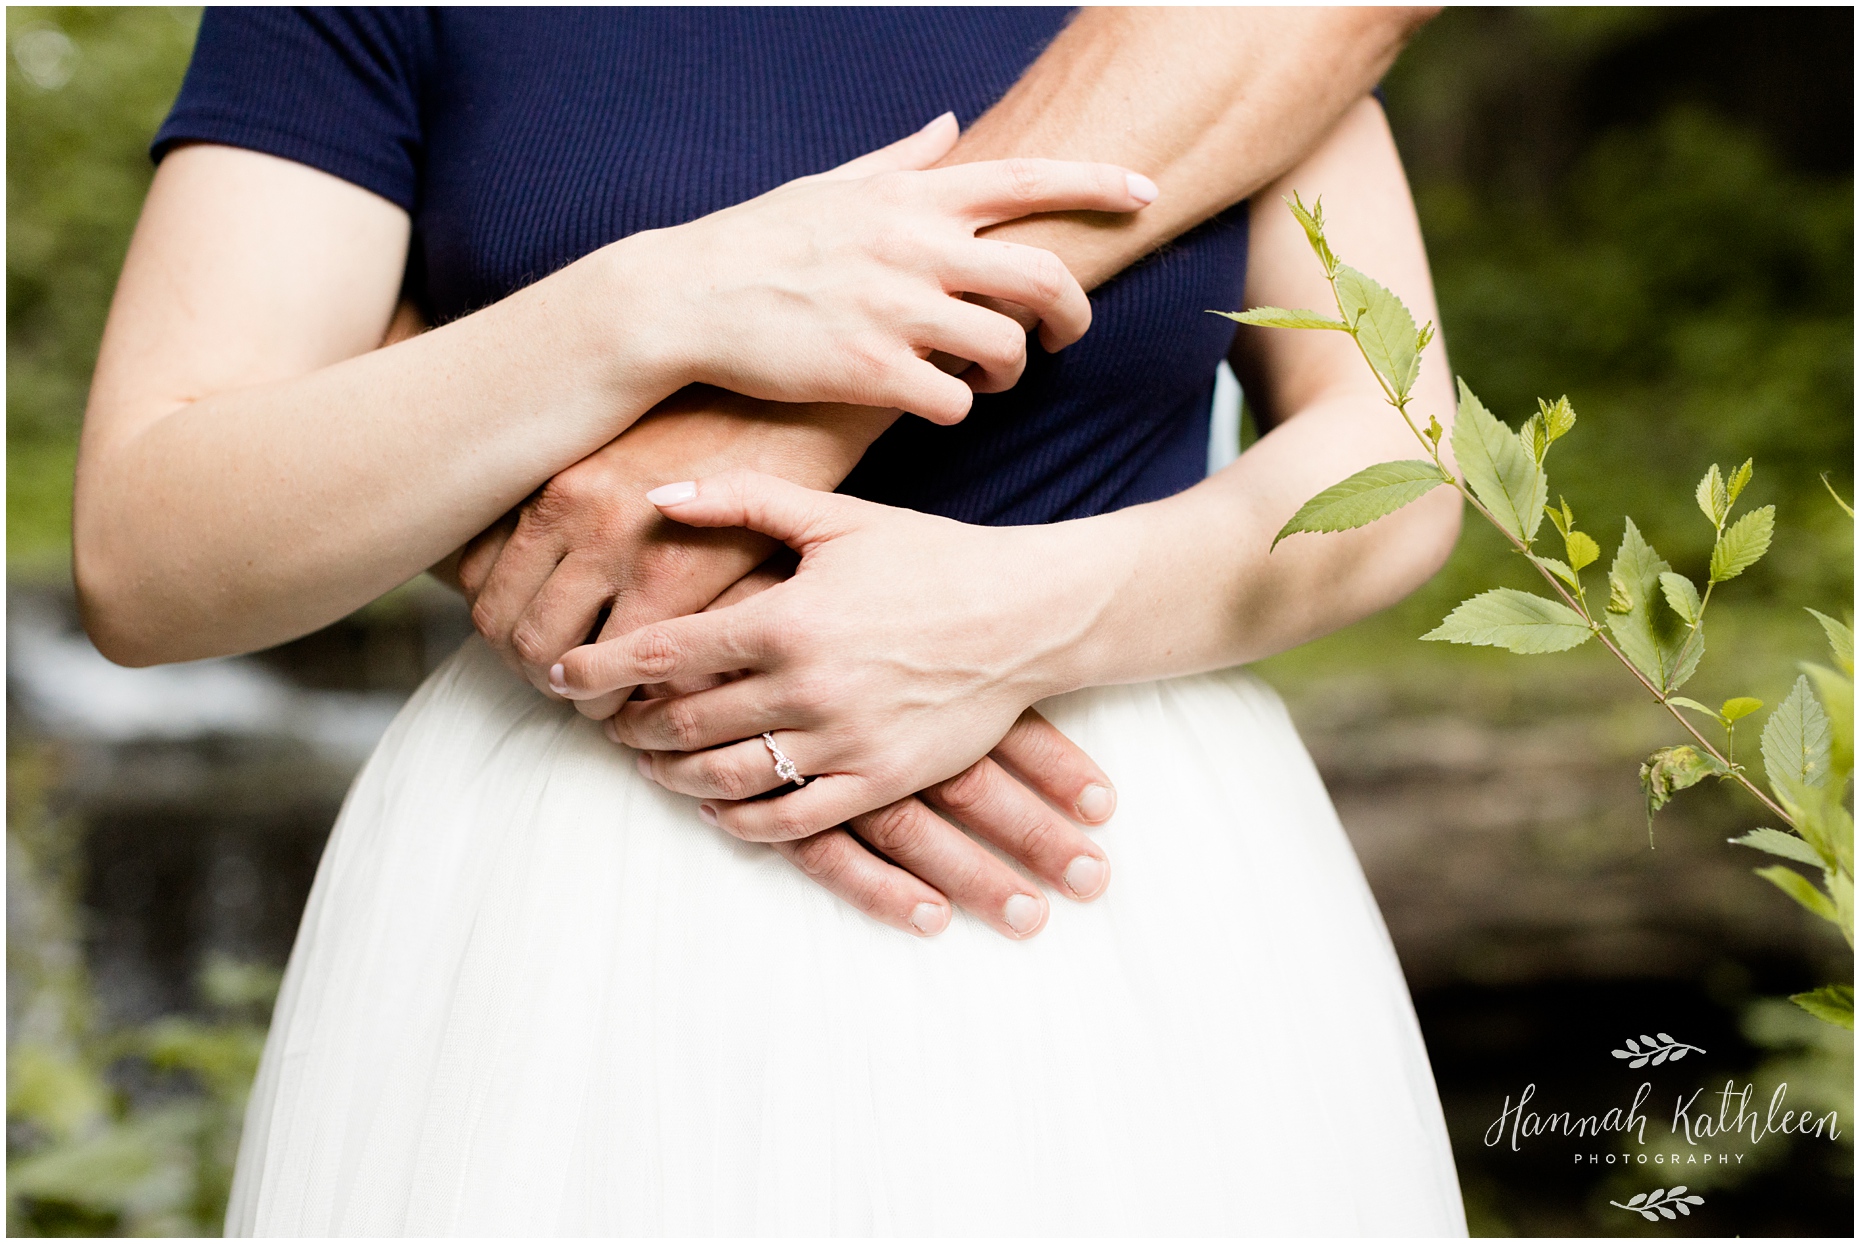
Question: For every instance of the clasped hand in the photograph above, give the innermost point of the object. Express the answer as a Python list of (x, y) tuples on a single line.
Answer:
[(903, 648)]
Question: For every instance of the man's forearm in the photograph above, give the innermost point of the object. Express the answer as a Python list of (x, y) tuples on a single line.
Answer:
[(1210, 103)]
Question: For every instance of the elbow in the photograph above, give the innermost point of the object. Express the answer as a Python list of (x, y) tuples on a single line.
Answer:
[(108, 608)]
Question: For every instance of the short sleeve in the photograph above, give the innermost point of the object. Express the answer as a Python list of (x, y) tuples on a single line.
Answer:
[(337, 89)]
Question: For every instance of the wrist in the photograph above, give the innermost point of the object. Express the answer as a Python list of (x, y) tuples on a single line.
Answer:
[(1090, 567), (641, 341)]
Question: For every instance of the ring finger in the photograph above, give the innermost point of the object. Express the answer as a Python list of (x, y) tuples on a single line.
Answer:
[(740, 771)]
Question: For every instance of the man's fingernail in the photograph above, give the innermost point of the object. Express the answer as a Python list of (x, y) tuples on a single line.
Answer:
[(1085, 876), (1142, 188), (645, 765), (929, 919), (708, 813), (1096, 803), (672, 494), (1021, 913), (936, 121)]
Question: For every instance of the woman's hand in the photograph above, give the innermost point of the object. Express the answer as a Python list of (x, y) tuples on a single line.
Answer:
[(900, 652), (838, 287)]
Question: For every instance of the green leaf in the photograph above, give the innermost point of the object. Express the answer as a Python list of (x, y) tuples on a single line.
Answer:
[(1740, 477), (1559, 417), (1499, 472), (1514, 620), (1649, 633), (1363, 498), (1312, 219), (1739, 707), (1279, 317), (1840, 640), (1712, 497), (1742, 543), (1795, 743), (1694, 705), (1836, 693), (1845, 508), (1382, 326), (1802, 890), (1559, 569), (1778, 843), (1823, 821), (1681, 595), (1582, 548), (1671, 770), (1833, 1003)]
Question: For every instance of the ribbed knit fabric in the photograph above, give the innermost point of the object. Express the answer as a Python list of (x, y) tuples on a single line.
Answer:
[(522, 139)]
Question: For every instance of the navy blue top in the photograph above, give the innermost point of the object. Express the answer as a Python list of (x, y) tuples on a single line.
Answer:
[(521, 139)]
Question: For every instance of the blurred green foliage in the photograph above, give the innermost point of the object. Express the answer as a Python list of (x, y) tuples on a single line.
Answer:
[(85, 90), (111, 1130)]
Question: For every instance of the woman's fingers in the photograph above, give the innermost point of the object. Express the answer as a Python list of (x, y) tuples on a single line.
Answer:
[(1042, 757), (885, 892), (1027, 277), (740, 770), (711, 718), (991, 804), (976, 880), (703, 643), (991, 191), (994, 343), (794, 515), (918, 151)]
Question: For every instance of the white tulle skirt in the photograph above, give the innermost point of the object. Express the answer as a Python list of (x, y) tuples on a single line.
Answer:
[(534, 994)]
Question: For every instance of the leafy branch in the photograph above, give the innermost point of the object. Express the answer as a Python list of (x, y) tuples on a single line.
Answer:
[(1652, 620), (1655, 1050)]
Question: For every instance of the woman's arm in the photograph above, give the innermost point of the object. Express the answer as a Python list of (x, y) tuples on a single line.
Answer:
[(251, 468), (904, 644)]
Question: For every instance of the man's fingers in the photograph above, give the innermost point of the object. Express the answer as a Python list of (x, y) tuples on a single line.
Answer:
[(991, 191), (560, 616), (524, 563), (918, 151), (975, 879), (480, 554), (885, 892), (989, 803), (1045, 759)]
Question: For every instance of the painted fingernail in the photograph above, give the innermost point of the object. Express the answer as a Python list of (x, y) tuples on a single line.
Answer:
[(672, 494), (707, 813), (1142, 188), (1085, 876), (1096, 803), (1021, 913), (645, 765), (936, 121), (558, 679), (929, 919)]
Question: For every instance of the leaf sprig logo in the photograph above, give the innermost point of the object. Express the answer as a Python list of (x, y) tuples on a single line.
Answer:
[(1656, 1051), (1660, 1203)]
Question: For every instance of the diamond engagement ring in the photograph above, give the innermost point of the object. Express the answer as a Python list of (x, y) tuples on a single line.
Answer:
[(784, 767)]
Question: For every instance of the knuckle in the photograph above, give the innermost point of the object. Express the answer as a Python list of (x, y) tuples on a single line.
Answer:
[(727, 779), (681, 726), (529, 645), (1024, 179), (820, 857), (1047, 277), (485, 621), (655, 654), (670, 561), (967, 791), (788, 823), (808, 695), (894, 829)]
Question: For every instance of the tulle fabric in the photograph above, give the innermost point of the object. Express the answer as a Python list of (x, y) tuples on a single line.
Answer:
[(534, 994)]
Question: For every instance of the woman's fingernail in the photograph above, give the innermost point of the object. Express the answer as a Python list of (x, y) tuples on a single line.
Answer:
[(1096, 803), (558, 679), (937, 120), (645, 765), (1142, 188), (929, 919), (672, 494), (1085, 876), (1021, 913), (707, 813)]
